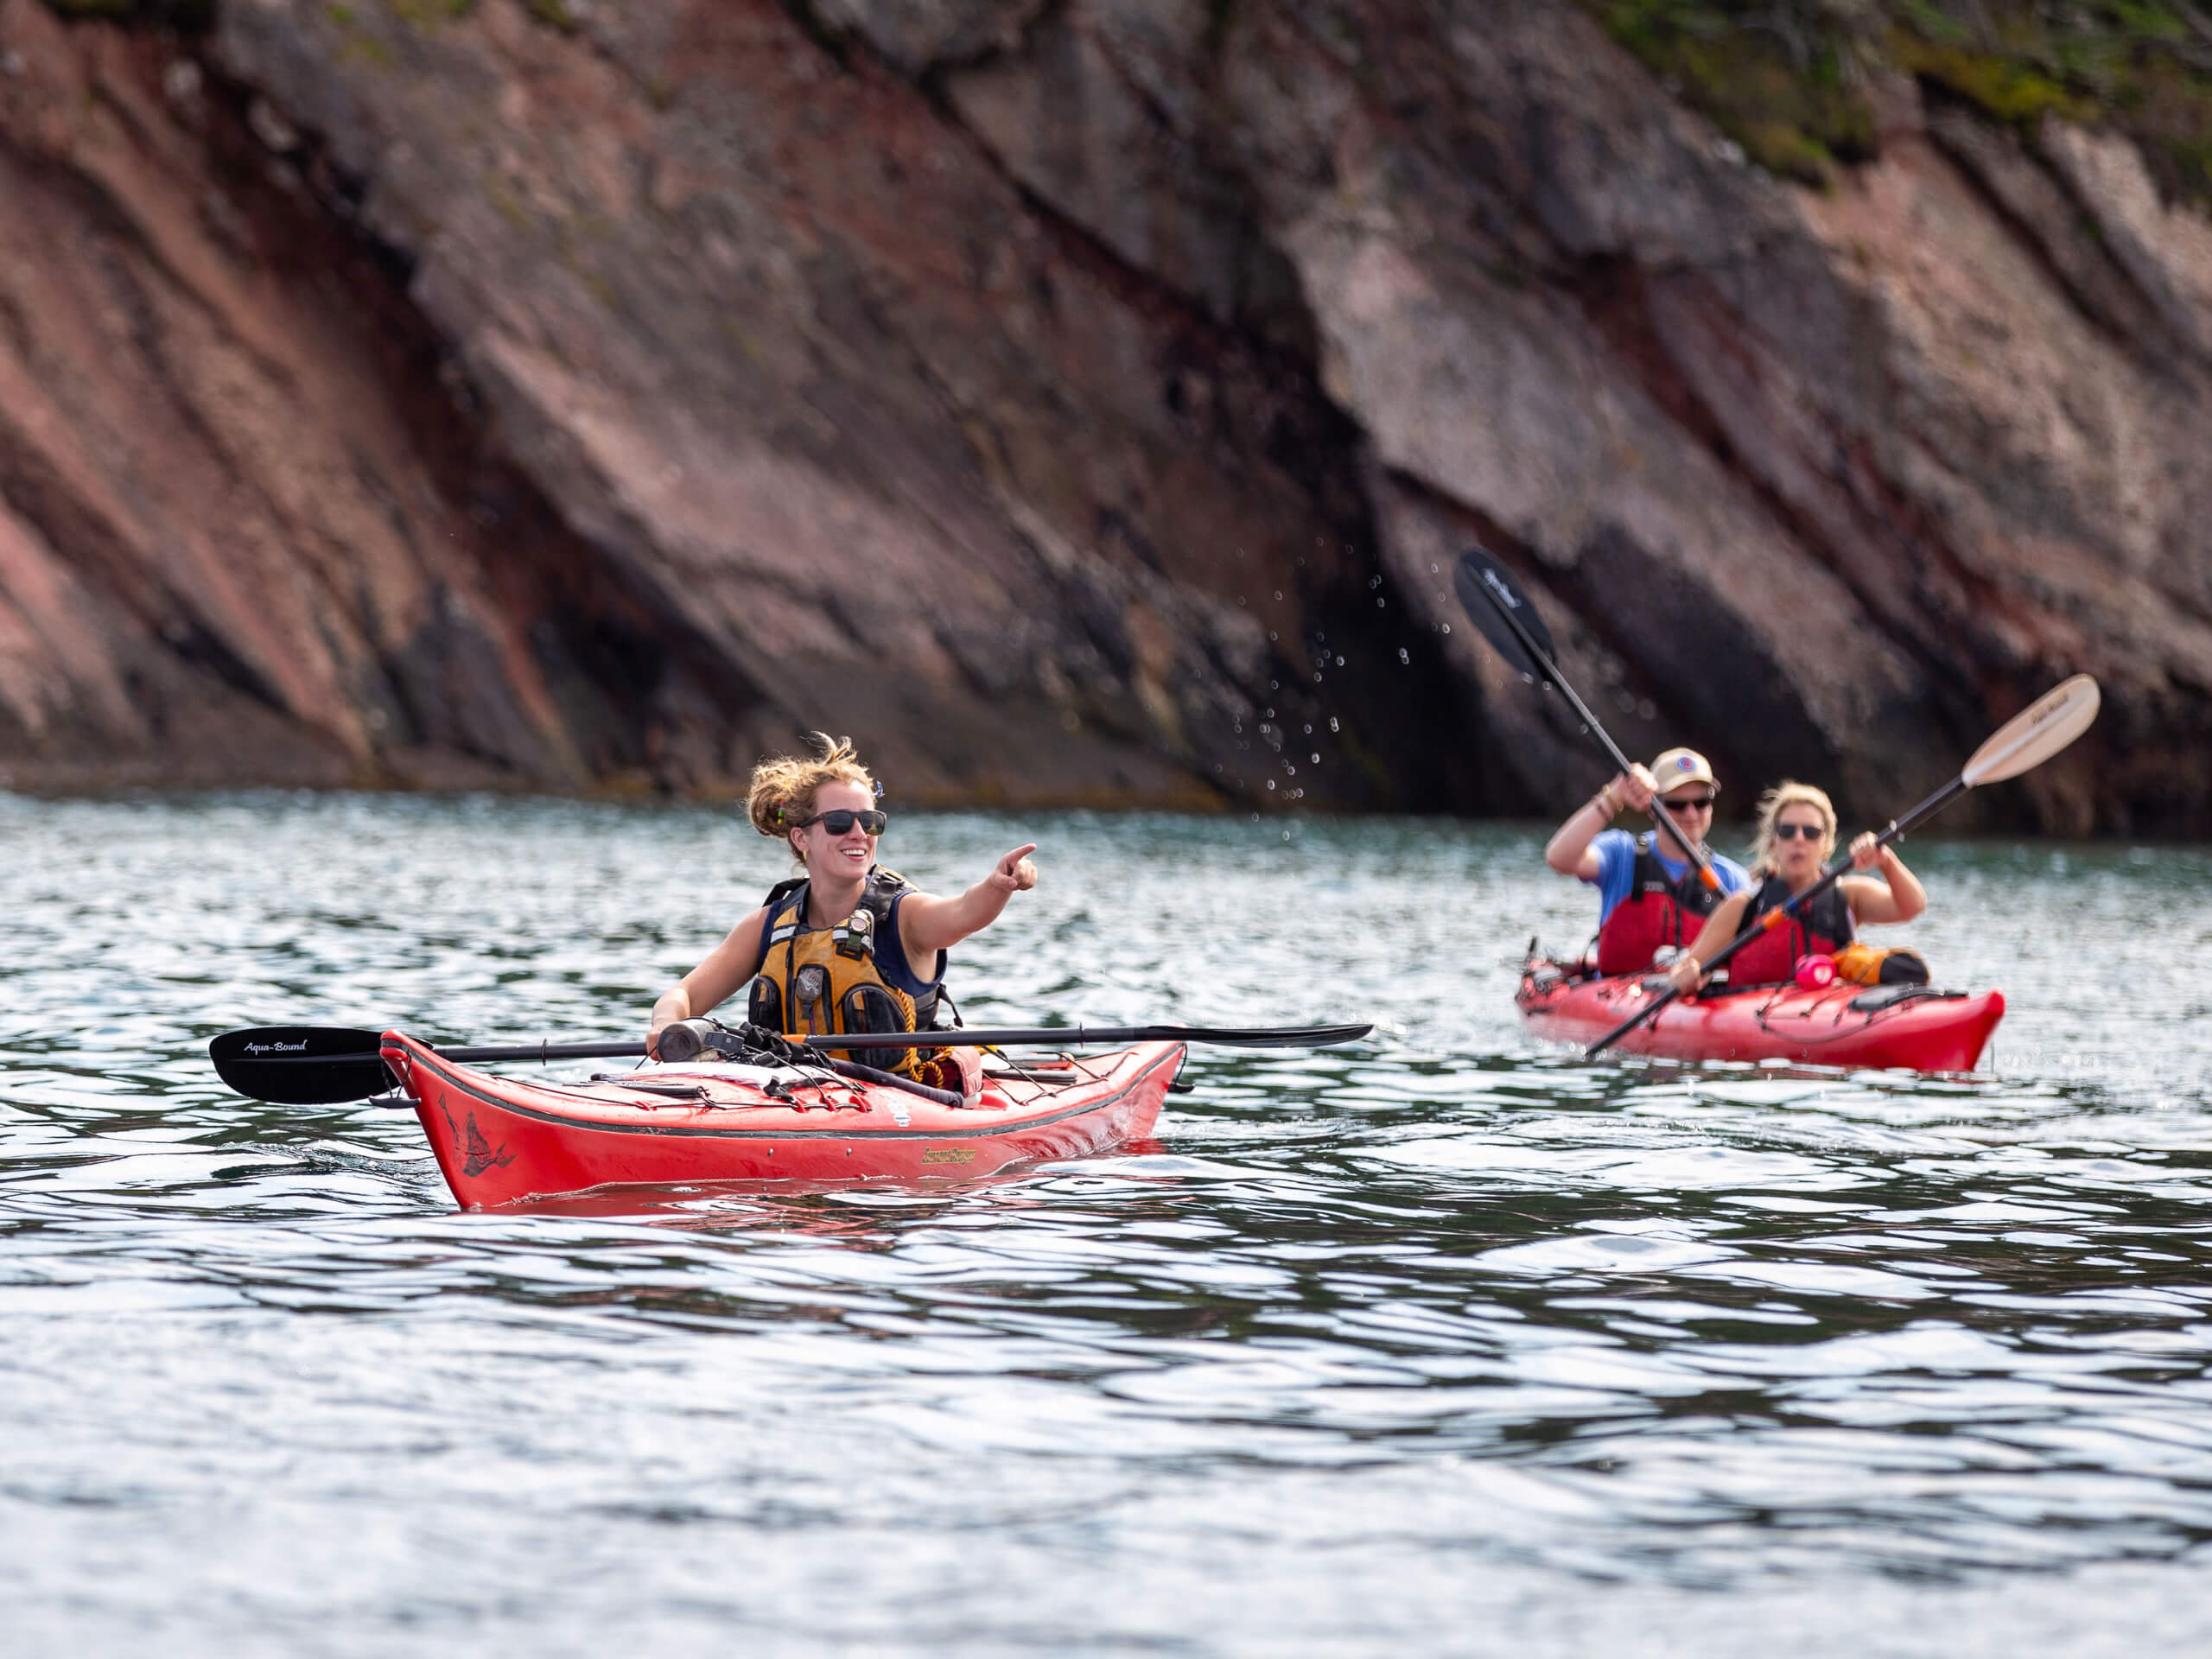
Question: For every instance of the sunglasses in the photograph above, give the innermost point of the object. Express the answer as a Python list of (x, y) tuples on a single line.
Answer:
[(841, 822), (1791, 831), (1688, 804)]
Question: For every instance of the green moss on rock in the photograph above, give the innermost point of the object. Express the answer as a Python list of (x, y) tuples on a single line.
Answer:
[(1783, 78), (429, 14), (555, 14), (1789, 102)]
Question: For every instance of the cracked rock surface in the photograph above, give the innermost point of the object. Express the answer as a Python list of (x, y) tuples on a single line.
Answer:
[(1076, 400)]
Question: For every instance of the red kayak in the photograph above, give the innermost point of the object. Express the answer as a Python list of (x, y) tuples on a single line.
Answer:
[(500, 1139), (1909, 1026)]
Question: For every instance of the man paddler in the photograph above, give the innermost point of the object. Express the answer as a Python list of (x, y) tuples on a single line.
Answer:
[(1649, 897)]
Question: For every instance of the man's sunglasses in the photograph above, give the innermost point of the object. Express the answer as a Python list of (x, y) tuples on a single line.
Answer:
[(1686, 803), (841, 822), (1791, 831)]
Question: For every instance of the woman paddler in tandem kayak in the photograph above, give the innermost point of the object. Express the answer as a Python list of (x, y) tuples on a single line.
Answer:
[(849, 946), (1647, 898), (1797, 834)]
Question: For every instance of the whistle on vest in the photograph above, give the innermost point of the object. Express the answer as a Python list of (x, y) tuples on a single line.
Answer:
[(810, 997), (854, 939)]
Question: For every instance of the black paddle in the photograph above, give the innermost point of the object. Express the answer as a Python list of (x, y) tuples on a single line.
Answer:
[(323, 1065), (320, 1066), (2027, 739), (1502, 614)]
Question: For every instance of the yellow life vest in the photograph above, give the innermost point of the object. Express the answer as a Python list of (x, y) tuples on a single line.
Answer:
[(824, 982)]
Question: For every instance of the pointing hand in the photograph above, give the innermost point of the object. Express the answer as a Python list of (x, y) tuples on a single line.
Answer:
[(1014, 873)]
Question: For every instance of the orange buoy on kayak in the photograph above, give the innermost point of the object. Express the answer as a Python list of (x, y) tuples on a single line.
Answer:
[(499, 1139)]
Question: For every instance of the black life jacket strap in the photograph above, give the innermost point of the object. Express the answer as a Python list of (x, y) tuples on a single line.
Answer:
[(1828, 916), (1688, 891), (877, 894)]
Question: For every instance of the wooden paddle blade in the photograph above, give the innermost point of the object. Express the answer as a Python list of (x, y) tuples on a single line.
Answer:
[(300, 1065), (1491, 596), (2037, 732)]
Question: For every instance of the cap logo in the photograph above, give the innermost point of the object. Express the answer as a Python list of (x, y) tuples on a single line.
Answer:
[(1683, 763)]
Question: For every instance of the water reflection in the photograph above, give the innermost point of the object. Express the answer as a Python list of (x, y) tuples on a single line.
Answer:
[(1440, 1333)]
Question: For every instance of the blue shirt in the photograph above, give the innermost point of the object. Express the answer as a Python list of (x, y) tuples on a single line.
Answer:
[(1616, 850)]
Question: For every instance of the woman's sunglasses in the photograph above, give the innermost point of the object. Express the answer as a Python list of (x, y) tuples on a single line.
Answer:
[(1791, 831), (1686, 803), (841, 822)]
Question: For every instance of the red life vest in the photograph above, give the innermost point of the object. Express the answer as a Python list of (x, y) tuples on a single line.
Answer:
[(1658, 911), (1820, 929)]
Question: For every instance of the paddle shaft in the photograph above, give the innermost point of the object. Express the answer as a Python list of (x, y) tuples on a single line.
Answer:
[(1837, 868), (1660, 817), (544, 1053), (317, 1066), (1087, 1036), (1042, 1036)]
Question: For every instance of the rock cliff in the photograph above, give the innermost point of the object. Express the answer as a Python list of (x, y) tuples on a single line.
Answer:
[(1076, 400)]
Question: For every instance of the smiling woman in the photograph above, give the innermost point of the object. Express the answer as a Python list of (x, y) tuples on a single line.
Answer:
[(1797, 833), (848, 946)]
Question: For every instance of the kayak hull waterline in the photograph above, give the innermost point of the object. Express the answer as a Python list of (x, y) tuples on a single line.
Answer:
[(1908, 1026), (500, 1139)]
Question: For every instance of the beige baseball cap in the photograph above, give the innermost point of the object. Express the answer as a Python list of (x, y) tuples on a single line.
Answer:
[(1679, 767)]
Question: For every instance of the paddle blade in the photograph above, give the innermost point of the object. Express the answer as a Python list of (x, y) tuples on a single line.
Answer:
[(300, 1065), (1494, 602), (1260, 1037), (2036, 733)]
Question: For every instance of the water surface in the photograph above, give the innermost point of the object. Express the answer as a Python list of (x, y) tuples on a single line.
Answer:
[(1442, 1342)]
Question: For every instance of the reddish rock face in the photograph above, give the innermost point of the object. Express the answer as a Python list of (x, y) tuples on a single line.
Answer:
[(1827, 484), (1082, 401)]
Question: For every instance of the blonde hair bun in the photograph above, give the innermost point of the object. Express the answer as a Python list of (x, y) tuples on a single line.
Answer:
[(783, 789)]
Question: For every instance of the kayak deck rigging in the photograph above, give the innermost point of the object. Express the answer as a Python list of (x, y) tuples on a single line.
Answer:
[(1918, 1028)]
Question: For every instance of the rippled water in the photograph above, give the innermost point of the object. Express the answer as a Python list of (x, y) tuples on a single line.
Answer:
[(1444, 1343)]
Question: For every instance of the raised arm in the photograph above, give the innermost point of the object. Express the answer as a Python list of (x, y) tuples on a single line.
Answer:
[(714, 980), (929, 924), (1569, 851), (1902, 899)]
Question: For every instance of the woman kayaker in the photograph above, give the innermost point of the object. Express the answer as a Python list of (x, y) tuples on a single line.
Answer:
[(848, 946), (1648, 898), (1797, 834)]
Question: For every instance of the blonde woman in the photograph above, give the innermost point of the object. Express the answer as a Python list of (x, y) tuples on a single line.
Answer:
[(848, 946), (1797, 834)]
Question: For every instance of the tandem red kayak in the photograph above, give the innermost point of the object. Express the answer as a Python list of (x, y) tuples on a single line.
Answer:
[(1905, 1026), (501, 1139)]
